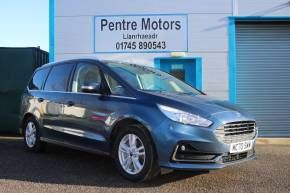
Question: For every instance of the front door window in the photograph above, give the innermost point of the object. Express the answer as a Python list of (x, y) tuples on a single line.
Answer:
[(85, 74)]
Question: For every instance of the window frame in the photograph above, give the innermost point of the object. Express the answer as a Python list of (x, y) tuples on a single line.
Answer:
[(70, 83), (44, 80), (131, 92), (119, 82), (107, 70), (68, 80), (104, 84)]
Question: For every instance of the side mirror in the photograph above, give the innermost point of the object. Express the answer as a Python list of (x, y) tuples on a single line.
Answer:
[(91, 88)]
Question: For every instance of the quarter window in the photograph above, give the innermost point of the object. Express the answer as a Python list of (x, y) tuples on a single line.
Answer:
[(58, 78), (38, 79), (85, 74), (115, 87)]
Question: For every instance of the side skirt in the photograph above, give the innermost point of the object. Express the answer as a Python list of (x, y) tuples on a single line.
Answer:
[(74, 146)]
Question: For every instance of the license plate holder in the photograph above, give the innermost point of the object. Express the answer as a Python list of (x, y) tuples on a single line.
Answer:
[(241, 146)]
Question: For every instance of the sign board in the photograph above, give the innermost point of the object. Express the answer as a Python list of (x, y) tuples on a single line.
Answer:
[(141, 33)]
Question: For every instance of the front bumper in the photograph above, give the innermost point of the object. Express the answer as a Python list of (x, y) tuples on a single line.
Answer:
[(208, 161), (204, 165), (209, 151)]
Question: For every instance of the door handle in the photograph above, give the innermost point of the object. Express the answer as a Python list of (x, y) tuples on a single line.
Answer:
[(40, 100), (70, 103)]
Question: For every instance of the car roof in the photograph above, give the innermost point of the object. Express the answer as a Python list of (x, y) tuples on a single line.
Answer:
[(70, 61), (86, 60)]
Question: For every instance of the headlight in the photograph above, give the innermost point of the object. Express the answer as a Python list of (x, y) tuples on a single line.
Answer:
[(184, 117)]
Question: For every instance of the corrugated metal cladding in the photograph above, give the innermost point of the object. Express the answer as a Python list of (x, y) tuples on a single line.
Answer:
[(263, 74)]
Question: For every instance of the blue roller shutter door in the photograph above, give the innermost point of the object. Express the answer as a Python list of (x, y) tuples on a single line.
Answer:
[(263, 74)]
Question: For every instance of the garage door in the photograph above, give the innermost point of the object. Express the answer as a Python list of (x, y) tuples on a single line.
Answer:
[(263, 74)]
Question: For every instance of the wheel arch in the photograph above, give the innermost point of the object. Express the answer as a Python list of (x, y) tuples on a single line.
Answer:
[(130, 121)]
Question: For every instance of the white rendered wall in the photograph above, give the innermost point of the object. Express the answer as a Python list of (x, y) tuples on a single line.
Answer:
[(207, 24)]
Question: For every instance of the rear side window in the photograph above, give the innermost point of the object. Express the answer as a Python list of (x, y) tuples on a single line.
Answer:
[(38, 79), (58, 78)]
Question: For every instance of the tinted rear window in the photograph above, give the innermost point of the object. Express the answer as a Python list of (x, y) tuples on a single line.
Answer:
[(38, 79), (58, 78)]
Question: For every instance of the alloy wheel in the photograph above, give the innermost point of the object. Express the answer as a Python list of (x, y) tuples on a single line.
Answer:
[(131, 154), (30, 134)]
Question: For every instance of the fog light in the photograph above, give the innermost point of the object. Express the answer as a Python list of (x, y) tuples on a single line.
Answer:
[(187, 153), (182, 148)]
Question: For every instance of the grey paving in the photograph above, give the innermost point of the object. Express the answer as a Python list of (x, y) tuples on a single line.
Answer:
[(65, 170)]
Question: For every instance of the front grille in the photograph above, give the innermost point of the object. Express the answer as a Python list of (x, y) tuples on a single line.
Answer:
[(234, 157), (236, 131)]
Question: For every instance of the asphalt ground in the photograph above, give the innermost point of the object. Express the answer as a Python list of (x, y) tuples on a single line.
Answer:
[(64, 170)]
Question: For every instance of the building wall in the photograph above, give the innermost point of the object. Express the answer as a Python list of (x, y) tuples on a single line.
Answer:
[(263, 7), (207, 23)]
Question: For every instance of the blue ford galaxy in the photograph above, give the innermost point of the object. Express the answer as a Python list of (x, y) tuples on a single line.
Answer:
[(143, 118)]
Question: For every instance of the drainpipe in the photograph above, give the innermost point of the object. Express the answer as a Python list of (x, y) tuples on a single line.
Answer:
[(235, 7)]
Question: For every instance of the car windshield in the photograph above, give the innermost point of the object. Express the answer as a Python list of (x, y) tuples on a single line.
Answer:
[(151, 79)]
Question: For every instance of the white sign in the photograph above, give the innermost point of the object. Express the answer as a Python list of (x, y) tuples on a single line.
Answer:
[(141, 33)]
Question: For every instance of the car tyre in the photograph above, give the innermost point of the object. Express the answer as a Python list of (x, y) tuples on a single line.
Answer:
[(31, 134), (136, 161)]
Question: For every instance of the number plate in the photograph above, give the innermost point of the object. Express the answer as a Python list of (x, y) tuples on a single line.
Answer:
[(241, 146)]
